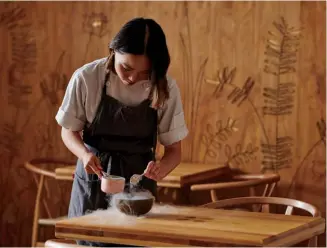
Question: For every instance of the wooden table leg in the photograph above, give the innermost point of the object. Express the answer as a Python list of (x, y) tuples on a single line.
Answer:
[(176, 196), (185, 195)]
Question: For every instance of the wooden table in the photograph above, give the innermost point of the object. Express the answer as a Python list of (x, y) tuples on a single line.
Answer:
[(166, 226)]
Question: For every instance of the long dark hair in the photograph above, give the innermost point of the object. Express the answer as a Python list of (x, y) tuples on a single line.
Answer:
[(144, 36)]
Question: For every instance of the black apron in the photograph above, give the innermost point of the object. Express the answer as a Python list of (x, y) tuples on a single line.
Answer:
[(124, 139)]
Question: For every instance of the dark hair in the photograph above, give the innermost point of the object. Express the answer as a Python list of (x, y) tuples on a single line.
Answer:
[(145, 36)]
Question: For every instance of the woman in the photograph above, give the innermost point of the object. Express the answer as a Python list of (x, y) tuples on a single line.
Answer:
[(120, 103)]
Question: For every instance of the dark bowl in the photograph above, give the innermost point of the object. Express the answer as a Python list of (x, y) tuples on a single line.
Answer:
[(134, 207)]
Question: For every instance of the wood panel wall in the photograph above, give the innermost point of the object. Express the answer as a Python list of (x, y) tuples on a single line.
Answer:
[(252, 78)]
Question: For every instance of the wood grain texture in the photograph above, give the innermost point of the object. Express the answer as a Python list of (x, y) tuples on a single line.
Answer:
[(206, 227), (43, 43)]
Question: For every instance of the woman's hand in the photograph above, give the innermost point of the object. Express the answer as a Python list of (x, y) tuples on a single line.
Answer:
[(171, 158), (92, 164), (155, 171), (74, 142)]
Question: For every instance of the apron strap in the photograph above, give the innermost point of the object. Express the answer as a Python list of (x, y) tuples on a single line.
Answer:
[(104, 88), (155, 133)]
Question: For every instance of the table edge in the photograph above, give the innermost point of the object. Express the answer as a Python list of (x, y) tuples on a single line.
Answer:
[(316, 227)]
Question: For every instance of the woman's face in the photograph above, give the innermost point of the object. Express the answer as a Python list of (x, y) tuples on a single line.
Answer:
[(132, 68)]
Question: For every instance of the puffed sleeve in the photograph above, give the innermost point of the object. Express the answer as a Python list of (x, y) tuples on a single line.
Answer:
[(172, 127), (71, 113)]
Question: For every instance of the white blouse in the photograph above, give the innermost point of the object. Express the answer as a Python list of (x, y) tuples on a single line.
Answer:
[(83, 95)]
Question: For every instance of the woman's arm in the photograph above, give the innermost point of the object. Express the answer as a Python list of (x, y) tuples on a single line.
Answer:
[(74, 142), (171, 131), (171, 157), (72, 118), (170, 160)]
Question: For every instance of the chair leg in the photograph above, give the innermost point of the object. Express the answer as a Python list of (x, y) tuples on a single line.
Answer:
[(252, 191), (213, 195), (313, 242), (272, 187), (37, 211)]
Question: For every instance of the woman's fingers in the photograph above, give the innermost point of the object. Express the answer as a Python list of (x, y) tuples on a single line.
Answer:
[(152, 170), (155, 170), (92, 164), (148, 170), (98, 164), (96, 170), (93, 168), (89, 170)]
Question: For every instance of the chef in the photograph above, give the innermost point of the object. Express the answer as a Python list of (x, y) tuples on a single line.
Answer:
[(113, 111)]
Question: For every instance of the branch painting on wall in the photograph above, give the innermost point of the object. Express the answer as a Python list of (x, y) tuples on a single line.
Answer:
[(23, 48), (281, 57), (46, 132), (310, 175), (23, 57), (193, 78), (230, 116), (52, 86), (214, 137), (94, 25)]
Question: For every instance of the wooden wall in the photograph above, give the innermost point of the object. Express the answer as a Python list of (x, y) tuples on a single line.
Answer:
[(252, 78)]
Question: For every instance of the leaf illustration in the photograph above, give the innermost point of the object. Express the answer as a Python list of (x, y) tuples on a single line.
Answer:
[(204, 140), (228, 151), (281, 57), (279, 155), (238, 148), (213, 139), (281, 50), (249, 147), (212, 154), (321, 126), (216, 144), (222, 136), (219, 125), (241, 157), (210, 129), (223, 77)]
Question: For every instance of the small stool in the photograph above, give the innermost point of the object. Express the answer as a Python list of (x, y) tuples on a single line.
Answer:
[(37, 167)]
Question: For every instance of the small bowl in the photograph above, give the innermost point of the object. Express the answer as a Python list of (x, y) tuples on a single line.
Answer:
[(112, 184), (134, 205)]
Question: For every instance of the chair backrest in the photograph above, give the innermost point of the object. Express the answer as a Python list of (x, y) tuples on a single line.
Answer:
[(251, 180), (290, 203), (241, 181)]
